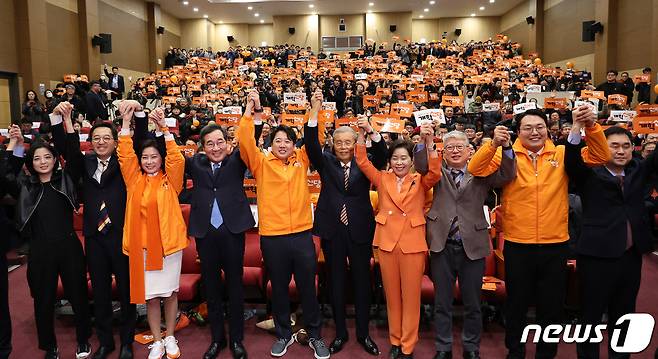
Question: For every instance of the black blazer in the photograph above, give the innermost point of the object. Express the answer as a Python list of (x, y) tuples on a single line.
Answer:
[(333, 194), (226, 186), (110, 78), (606, 208), (95, 107)]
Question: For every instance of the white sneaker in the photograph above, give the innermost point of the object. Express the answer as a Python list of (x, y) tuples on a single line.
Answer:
[(171, 345), (157, 350)]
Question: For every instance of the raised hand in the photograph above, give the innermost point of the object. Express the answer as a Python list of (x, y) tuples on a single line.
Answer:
[(316, 101), (158, 117), (501, 136), (363, 123), (583, 116)]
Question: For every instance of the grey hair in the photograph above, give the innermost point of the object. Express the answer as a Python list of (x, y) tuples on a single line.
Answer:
[(345, 129), (459, 135)]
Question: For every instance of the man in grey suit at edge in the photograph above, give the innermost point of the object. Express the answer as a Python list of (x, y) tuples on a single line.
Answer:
[(458, 237)]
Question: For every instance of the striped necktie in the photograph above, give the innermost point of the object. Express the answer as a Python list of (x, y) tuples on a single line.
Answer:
[(453, 233), (346, 180), (104, 222)]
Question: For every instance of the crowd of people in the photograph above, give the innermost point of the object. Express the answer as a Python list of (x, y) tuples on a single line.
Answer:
[(498, 121)]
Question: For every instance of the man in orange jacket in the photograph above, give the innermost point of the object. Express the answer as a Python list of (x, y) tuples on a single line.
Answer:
[(535, 216)]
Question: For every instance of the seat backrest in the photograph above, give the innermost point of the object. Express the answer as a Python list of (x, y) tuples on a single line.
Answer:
[(252, 254), (190, 264)]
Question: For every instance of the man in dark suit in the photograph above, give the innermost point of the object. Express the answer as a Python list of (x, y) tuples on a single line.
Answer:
[(457, 232), (5, 228), (115, 82), (219, 219), (104, 200), (96, 110), (344, 221), (616, 229)]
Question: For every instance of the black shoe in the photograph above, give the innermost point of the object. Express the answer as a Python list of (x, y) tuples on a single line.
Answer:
[(52, 354), (238, 350), (444, 355), (126, 351), (83, 351), (102, 352), (395, 352), (472, 355), (406, 356), (337, 345), (214, 349), (369, 345)]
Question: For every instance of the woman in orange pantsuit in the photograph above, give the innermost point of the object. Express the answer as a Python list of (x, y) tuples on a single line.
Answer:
[(400, 235)]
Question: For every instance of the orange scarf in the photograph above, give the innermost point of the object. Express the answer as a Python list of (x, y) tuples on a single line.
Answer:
[(154, 250)]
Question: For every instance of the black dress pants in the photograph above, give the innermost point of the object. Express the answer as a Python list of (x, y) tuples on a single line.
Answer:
[(47, 261), (105, 257), (220, 250), (5, 319), (284, 256), (337, 250)]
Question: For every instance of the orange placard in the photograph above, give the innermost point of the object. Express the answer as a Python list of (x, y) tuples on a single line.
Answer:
[(249, 185), (592, 94), (402, 109), (198, 100), (227, 119), (290, 119), (168, 99), (434, 97), (417, 96), (314, 183), (295, 107), (189, 150), (346, 121), (452, 101), (326, 116), (387, 123), (646, 110), (69, 78), (383, 91), (370, 101), (173, 91), (645, 124), (556, 102), (642, 78), (617, 99)]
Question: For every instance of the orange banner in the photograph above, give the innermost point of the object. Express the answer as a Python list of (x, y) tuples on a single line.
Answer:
[(617, 99), (290, 119), (556, 102), (314, 183), (227, 119), (592, 94), (387, 123), (402, 109), (417, 96), (346, 121), (370, 101), (452, 101), (645, 124)]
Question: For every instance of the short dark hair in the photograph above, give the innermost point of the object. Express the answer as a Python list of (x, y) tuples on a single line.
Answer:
[(114, 67), (400, 143), (206, 130), (29, 156), (95, 82), (646, 69), (532, 112), (644, 146), (616, 130), (115, 135), (290, 133), (612, 71)]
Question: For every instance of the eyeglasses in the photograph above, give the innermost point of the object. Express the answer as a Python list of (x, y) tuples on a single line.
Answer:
[(219, 143), (98, 139), (529, 129), (452, 148)]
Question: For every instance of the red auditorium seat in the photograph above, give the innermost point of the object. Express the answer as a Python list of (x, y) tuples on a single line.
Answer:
[(86, 146), (85, 130), (253, 271), (185, 209), (190, 277)]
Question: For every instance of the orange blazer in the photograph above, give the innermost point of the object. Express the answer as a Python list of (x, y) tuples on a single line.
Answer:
[(401, 216)]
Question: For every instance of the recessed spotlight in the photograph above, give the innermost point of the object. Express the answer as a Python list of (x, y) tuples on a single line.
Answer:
[(205, 16), (432, 2), (196, 9), (186, 3), (421, 16), (492, 1), (262, 21), (311, 6), (256, 14), (473, 14), (250, 7), (371, 4), (426, 10), (481, 8), (221, 22)]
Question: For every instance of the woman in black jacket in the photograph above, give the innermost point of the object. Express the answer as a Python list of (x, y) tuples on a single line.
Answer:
[(47, 201), (32, 109)]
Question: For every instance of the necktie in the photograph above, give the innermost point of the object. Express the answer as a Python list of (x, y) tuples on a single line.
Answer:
[(346, 180), (104, 222), (629, 232), (533, 157), (216, 218), (453, 233), (102, 166)]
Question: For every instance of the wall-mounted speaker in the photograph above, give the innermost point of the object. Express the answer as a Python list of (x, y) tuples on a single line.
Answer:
[(458, 32), (393, 28), (530, 20), (230, 38), (342, 27), (588, 34), (160, 30), (104, 41), (291, 30)]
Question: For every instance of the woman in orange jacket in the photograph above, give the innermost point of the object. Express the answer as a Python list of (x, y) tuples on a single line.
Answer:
[(154, 233), (400, 234)]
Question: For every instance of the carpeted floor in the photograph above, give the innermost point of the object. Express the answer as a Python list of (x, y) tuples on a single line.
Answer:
[(194, 340)]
